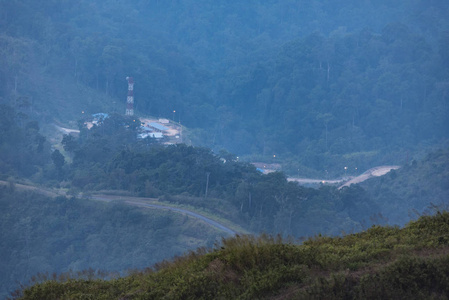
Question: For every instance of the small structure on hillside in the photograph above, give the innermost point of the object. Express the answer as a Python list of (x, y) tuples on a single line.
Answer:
[(152, 130), (97, 119), (162, 129), (266, 168), (157, 127), (154, 135)]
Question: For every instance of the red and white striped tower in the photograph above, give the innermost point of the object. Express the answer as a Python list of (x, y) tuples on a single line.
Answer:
[(130, 98)]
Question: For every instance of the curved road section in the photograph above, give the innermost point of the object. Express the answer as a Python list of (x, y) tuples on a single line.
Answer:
[(110, 198), (187, 212), (174, 209), (374, 172)]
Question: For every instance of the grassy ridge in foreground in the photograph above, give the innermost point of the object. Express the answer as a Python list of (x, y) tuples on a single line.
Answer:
[(380, 263)]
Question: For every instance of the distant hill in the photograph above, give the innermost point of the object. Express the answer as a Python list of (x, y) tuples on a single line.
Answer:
[(413, 189), (380, 263), (318, 83), (41, 234), (44, 235)]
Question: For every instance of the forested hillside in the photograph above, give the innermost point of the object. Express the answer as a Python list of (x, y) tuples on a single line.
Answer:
[(380, 263), (322, 88), (23, 149), (413, 189), (319, 84), (110, 157), (44, 235)]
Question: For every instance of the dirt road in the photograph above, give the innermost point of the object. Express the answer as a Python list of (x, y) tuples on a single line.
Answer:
[(314, 181), (134, 201), (151, 202), (143, 202), (374, 172), (24, 187), (66, 130), (187, 212)]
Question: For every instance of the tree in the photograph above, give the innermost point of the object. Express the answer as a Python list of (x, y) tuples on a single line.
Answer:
[(325, 118), (69, 143), (58, 159)]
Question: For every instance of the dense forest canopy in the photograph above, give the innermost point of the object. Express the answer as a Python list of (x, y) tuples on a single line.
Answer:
[(109, 157), (322, 84)]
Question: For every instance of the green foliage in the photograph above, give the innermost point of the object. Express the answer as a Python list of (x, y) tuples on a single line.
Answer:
[(69, 143), (23, 149), (109, 157), (63, 235), (58, 159), (413, 189), (311, 81), (236, 190), (380, 263), (255, 77)]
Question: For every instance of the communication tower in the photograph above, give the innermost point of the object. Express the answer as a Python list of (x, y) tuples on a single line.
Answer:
[(130, 98)]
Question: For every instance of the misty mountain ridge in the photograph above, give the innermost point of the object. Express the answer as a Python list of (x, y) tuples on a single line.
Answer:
[(318, 84)]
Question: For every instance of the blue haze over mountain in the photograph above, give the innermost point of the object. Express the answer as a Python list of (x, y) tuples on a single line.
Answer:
[(321, 84), (318, 88)]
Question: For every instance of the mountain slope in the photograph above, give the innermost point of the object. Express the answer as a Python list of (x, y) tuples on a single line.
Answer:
[(412, 189), (322, 84), (43, 234), (382, 262)]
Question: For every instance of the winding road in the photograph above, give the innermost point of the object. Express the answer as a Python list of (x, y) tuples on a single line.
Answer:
[(187, 212), (134, 201), (66, 130), (373, 172), (149, 202)]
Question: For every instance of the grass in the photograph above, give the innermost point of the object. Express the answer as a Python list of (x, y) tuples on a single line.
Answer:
[(379, 263)]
